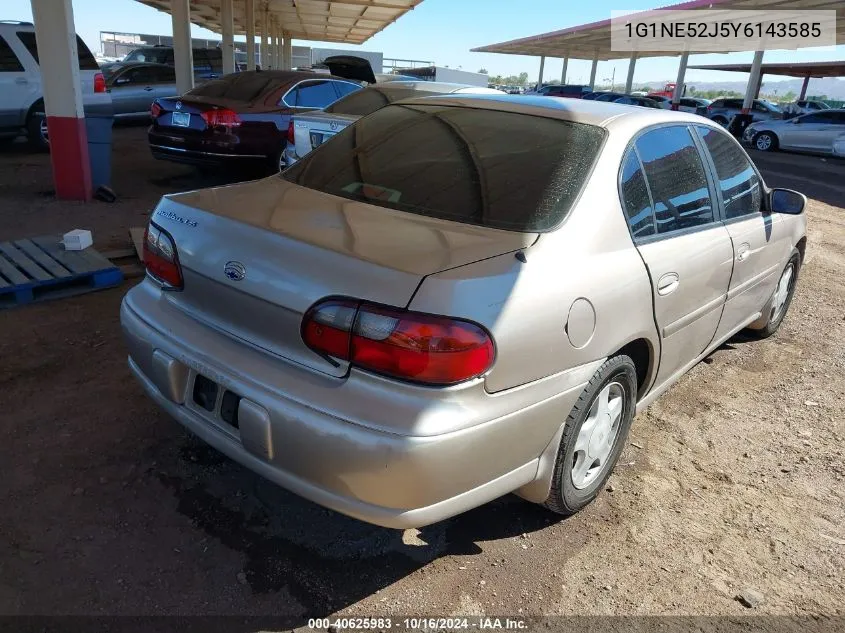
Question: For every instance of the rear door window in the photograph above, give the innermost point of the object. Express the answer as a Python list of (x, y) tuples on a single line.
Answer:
[(461, 166), (738, 182), (164, 75), (86, 59), (311, 94), (9, 62), (676, 179), (635, 199)]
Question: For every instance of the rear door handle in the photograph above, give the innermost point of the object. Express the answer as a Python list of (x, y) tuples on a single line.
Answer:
[(149, 88), (21, 80), (668, 283)]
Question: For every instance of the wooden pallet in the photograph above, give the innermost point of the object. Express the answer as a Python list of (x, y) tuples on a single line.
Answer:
[(40, 268)]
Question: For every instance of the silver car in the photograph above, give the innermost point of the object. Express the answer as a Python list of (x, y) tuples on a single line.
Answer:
[(814, 132), (723, 110), (422, 315), (134, 87), (307, 131)]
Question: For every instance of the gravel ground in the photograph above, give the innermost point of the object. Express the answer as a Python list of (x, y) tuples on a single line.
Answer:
[(732, 481)]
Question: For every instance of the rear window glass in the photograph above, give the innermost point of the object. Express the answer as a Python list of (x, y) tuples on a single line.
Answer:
[(485, 167), (157, 55), (368, 100), (86, 59), (237, 87)]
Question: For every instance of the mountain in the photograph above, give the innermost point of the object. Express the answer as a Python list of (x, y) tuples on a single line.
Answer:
[(831, 86)]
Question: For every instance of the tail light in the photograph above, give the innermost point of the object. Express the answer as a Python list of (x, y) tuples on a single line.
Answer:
[(99, 83), (291, 134), (410, 346), (160, 257), (155, 110), (223, 118), (710, 108)]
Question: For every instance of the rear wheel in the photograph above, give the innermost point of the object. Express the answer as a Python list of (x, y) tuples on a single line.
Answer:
[(594, 436), (766, 142), (36, 129)]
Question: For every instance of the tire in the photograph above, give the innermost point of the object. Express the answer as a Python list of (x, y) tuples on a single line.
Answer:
[(571, 488), (765, 142), (775, 311), (36, 129)]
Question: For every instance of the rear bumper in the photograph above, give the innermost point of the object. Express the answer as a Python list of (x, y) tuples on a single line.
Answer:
[(195, 157), (289, 435)]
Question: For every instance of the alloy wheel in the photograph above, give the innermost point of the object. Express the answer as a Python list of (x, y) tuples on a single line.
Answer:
[(782, 291), (598, 435)]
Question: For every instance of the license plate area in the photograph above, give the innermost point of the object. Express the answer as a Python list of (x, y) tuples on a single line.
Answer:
[(318, 138), (181, 119), (216, 403)]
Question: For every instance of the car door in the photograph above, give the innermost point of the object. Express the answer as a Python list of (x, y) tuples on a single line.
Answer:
[(133, 91), (760, 241), (684, 246), (165, 82), (808, 131), (15, 89)]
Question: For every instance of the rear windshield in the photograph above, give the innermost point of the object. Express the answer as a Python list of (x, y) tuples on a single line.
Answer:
[(498, 169), (367, 101), (157, 55), (86, 59), (245, 87)]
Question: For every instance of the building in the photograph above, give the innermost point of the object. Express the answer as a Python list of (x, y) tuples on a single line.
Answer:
[(439, 73)]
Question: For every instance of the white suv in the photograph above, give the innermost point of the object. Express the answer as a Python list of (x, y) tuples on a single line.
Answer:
[(21, 95)]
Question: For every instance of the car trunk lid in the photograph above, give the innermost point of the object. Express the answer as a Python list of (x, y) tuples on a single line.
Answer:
[(312, 130), (256, 256)]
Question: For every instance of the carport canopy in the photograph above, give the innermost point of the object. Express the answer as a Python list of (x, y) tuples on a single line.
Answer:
[(347, 21), (790, 69)]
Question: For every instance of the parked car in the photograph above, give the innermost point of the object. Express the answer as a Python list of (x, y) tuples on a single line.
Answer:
[(374, 329), (814, 132), (135, 85), (839, 146), (662, 100), (804, 107), (310, 130), (21, 91), (643, 102), (692, 104), (208, 62), (572, 91), (239, 118), (608, 96), (724, 109)]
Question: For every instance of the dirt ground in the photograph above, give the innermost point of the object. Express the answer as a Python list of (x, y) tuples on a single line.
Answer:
[(731, 480)]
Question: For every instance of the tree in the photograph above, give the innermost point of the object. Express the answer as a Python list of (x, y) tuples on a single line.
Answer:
[(522, 79), (483, 71)]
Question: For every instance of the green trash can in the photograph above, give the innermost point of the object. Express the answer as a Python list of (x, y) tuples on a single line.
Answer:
[(98, 127)]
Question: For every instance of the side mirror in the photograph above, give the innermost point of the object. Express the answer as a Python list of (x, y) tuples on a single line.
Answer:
[(787, 201)]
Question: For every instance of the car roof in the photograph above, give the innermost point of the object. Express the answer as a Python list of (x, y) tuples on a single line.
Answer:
[(600, 113)]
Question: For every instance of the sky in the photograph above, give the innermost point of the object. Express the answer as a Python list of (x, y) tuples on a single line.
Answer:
[(444, 31)]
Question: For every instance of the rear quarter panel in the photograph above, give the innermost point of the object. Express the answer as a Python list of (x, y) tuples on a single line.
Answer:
[(583, 293)]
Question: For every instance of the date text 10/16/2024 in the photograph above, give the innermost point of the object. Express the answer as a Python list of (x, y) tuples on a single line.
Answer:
[(481, 623)]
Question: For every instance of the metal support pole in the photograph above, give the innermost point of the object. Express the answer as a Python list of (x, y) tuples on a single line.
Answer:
[(753, 82), (227, 19), (542, 68), (183, 54), (250, 34), (287, 52), (55, 36), (593, 71), (262, 37), (679, 83), (804, 88), (563, 71), (629, 82)]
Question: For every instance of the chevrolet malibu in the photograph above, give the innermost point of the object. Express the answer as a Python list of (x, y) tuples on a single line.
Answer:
[(422, 315)]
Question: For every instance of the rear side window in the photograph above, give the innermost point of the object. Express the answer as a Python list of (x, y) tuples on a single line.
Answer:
[(311, 94), (635, 198), (739, 184), (246, 87), (157, 55), (9, 62), (344, 88), (676, 179), (86, 59), (459, 164)]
